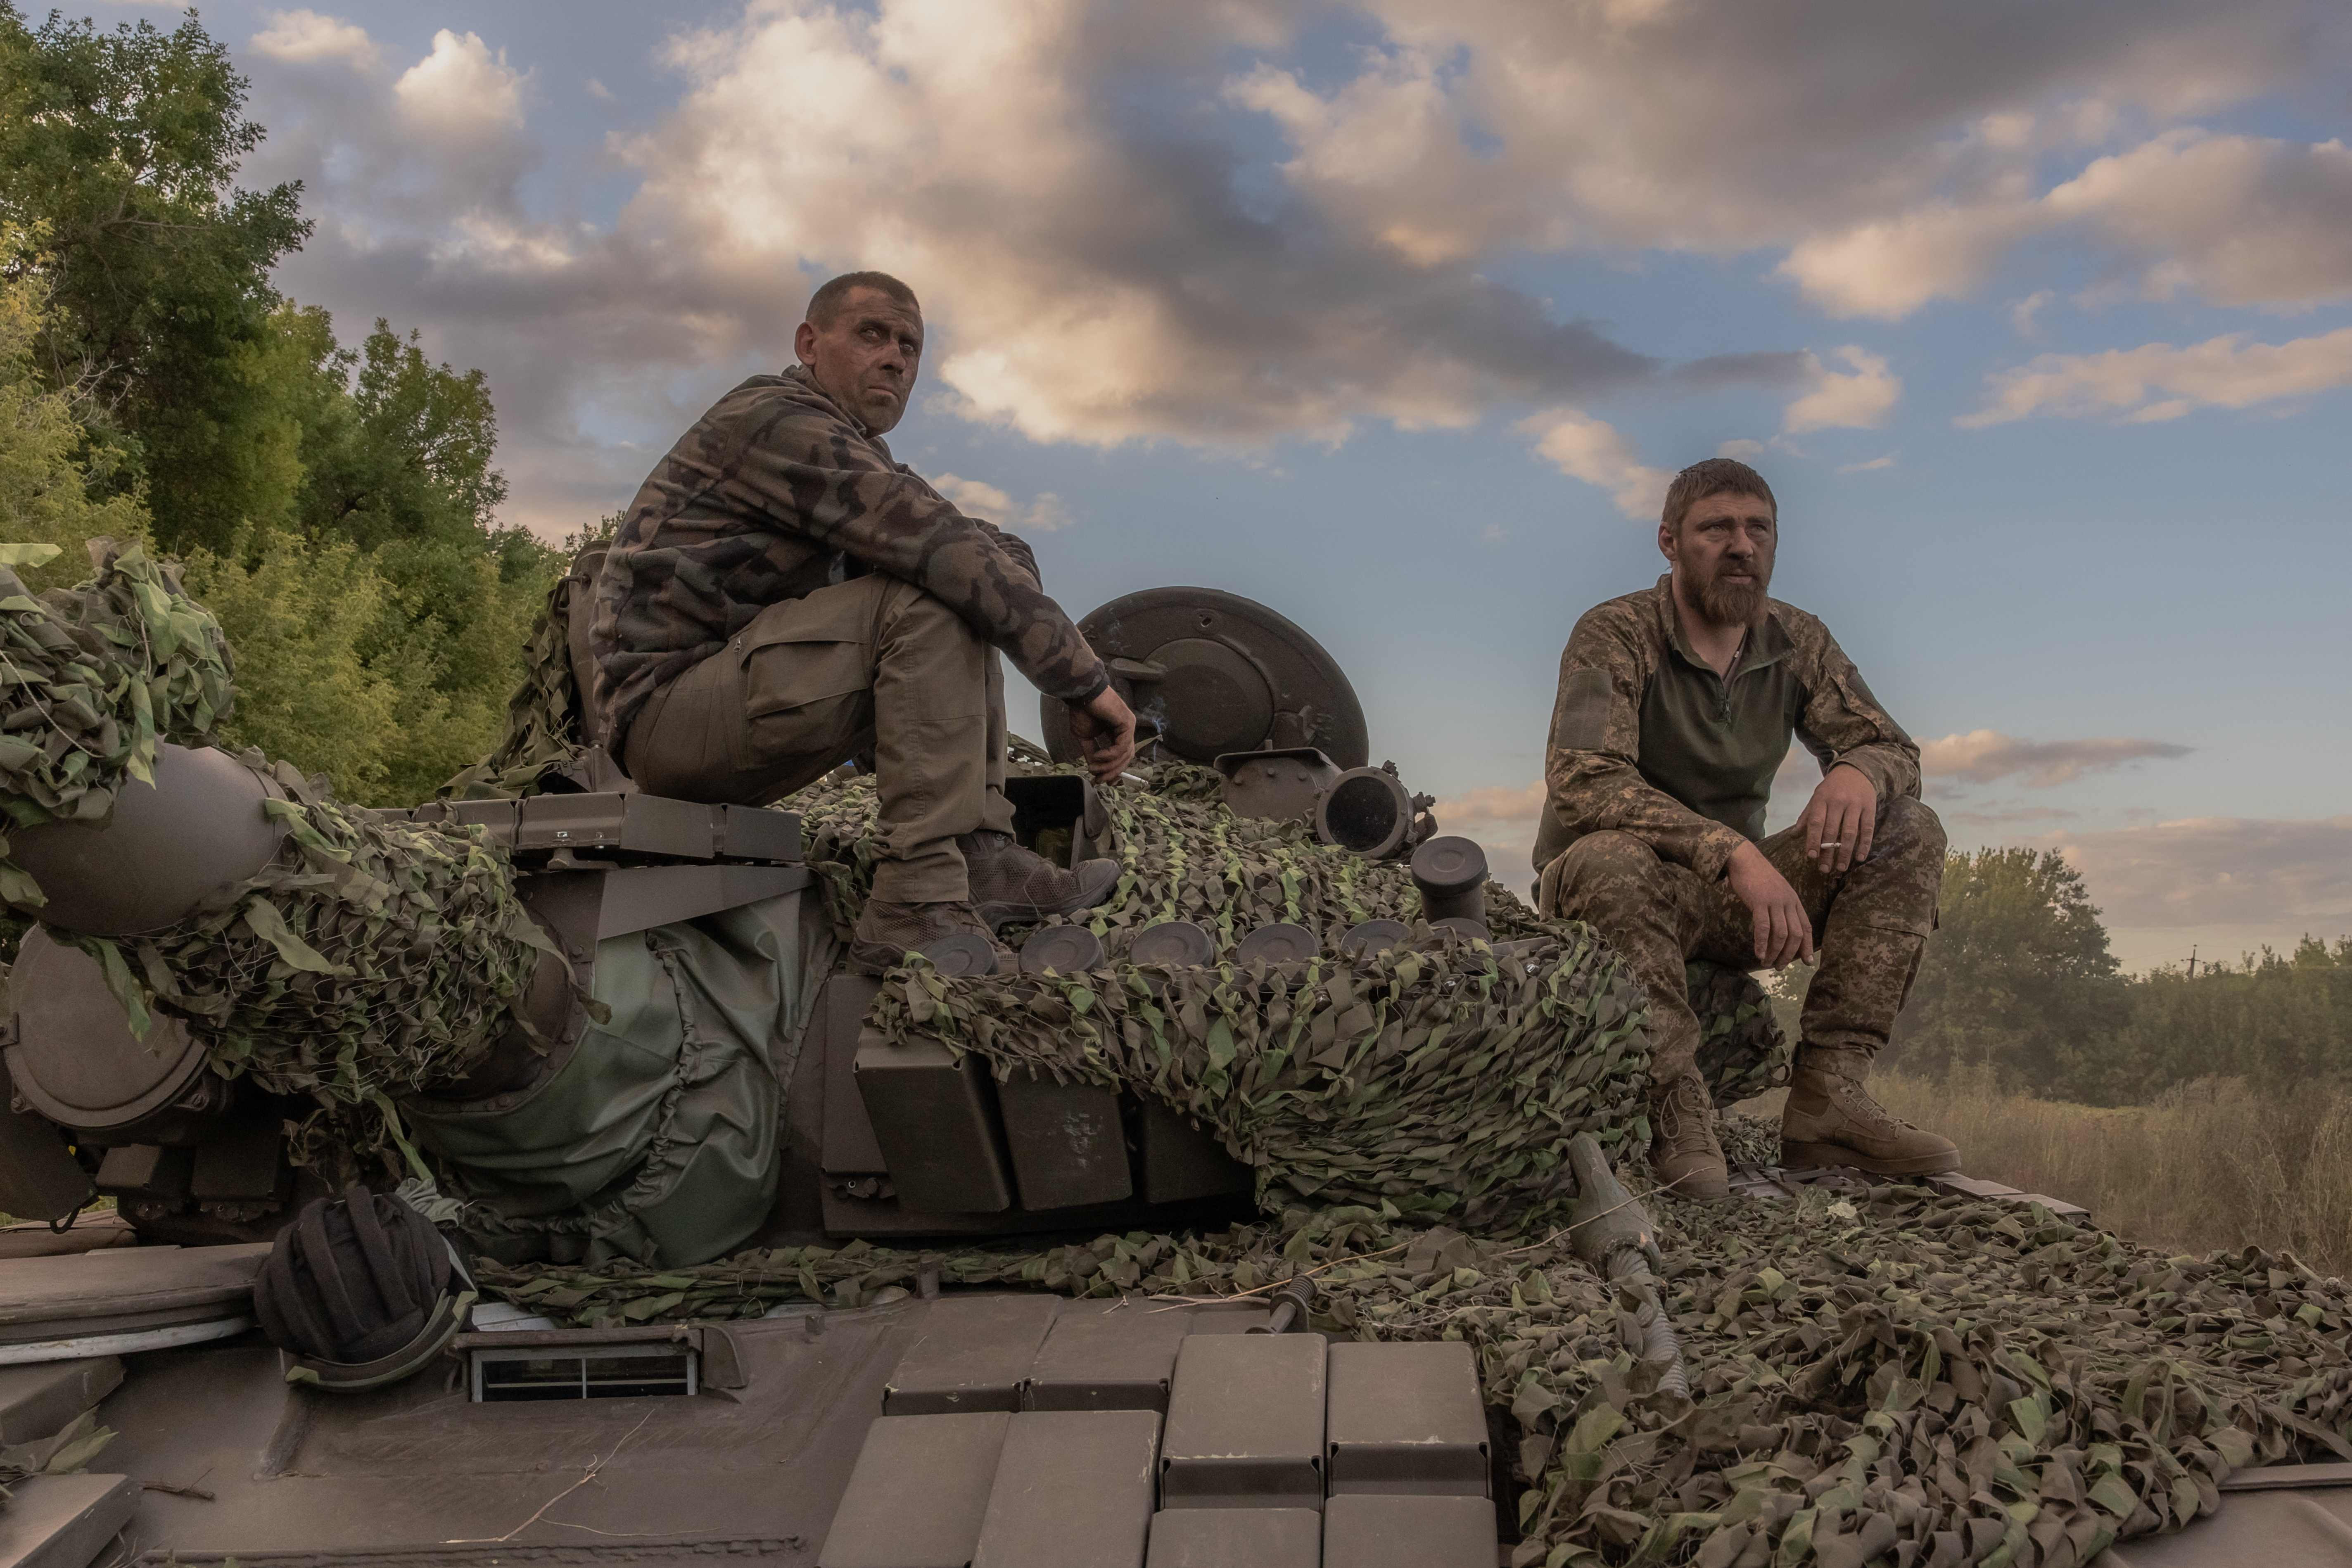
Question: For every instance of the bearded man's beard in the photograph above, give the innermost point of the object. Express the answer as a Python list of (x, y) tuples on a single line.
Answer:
[(1729, 604)]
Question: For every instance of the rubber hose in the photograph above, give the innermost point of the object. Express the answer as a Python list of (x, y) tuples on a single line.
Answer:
[(1659, 1341)]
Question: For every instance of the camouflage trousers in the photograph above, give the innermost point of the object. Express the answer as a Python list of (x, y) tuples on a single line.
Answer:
[(1870, 927), (873, 666)]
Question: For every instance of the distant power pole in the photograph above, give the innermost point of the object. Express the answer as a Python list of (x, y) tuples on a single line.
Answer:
[(2192, 961)]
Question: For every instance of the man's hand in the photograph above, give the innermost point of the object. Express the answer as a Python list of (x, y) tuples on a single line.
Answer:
[(1784, 932), (1840, 820), (1104, 729)]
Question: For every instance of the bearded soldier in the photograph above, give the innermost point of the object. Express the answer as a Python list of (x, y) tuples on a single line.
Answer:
[(782, 595), (1675, 707)]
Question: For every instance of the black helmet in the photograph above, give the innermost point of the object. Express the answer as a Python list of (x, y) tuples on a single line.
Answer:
[(362, 1292)]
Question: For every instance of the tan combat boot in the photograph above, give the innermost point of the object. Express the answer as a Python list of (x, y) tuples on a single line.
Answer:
[(1013, 886), (886, 931), (1831, 1119), (1683, 1153)]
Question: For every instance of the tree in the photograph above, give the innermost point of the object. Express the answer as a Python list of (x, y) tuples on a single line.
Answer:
[(45, 493), (119, 153), (2017, 977)]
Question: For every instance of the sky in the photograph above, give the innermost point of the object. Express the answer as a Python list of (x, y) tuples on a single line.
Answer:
[(1398, 314)]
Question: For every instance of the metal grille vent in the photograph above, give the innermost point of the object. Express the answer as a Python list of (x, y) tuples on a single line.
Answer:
[(583, 1371)]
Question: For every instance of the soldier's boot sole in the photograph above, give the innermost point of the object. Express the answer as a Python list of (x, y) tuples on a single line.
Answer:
[(1809, 1156), (1095, 881)]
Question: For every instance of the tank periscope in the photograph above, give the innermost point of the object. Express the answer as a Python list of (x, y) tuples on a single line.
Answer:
[(657, 1136)]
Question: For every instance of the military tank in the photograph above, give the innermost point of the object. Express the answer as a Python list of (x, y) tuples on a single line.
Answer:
[(523, 1176)]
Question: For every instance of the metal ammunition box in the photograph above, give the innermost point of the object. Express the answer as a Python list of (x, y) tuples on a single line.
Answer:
[(1236, 1538), (1363, 1529), (1073, 1491), (935, 1120), (1067, 1142), (919, 1493), (974, 1354), (1178, 1161), (1406, 1418), (848, 1138), (1119, 1356), (1245, 1423)]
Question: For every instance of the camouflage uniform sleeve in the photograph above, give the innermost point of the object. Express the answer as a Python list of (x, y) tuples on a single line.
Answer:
[(1843, 722), (836, 489), (1592, 780), (1015, 546)]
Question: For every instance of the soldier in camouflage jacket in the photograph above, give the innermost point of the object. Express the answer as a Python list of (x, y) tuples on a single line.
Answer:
[(784, 596), (1676, 706)]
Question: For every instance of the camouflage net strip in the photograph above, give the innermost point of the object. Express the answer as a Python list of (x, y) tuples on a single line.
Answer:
[(92, 678), (372, 957), (1446, 1079), (1183, 856), (542, 733), (1892, 1376)]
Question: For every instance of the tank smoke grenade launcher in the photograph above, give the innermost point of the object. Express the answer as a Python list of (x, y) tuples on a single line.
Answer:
[(523, 1173)]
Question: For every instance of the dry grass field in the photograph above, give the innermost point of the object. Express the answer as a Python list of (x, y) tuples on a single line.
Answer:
[(2211, 1165)]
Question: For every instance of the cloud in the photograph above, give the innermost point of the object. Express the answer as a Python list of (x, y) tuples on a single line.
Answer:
[(1104, 277), (2234, 220), (1046, 514), (1888, 268), (2158, 382), (2285, 875), (1987, 756), (462, 92), (1858, 398), (1586, 449), (304, 38), (1871, 466), (2025, 315), (1741, 447), (1084, 195)]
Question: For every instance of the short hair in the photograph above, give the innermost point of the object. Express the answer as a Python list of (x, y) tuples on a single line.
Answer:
[(1713, 477), (826, 302)]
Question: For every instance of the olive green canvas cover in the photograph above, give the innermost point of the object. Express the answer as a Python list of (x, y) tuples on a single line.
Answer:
[(659, 1139)]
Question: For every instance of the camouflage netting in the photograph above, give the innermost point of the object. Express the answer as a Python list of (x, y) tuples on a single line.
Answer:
[(1184, 856), (95, 677), (371, 958), (1446, 1079), (1888, 1377), (542, 733)]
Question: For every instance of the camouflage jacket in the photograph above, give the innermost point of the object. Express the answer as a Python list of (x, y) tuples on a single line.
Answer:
[(774, 493), (1646, 738)]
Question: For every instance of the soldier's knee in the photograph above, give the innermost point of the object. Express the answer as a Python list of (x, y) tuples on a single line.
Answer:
[(1910, 828), (1607, 869)]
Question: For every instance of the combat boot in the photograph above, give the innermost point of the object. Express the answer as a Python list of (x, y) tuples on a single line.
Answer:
[(888, 931), (1831, 1119), (1683, 1153), (1013, 886)]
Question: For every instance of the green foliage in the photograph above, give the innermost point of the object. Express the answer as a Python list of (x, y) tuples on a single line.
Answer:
[(301, 616), (2279, 1020), (2018, 983), (2018, 975), (44, 488), (118, 158)]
